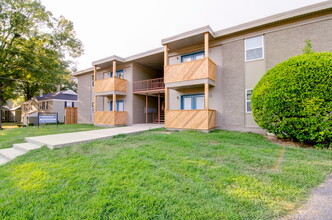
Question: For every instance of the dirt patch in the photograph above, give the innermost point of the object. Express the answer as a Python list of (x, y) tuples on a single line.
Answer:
[(286, 142)]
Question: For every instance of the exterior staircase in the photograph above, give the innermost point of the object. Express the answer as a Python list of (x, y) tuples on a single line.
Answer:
[(162, 118)]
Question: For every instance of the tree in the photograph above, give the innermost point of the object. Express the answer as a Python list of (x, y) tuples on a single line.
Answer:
[(294, 99), (34, 47)]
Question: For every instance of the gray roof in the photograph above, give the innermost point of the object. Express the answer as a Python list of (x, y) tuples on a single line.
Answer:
[(62, 95)]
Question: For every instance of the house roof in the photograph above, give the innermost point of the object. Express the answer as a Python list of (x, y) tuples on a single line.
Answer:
[(63, 95), (16, 108)]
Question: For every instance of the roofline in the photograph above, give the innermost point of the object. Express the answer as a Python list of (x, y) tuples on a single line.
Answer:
[(197, 31), (130, 58), (310, 9), (306, 10), (107, 59), (90, 69)]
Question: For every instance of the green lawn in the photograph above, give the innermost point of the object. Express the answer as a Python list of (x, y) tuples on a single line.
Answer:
[(159, 175), (8, 137)]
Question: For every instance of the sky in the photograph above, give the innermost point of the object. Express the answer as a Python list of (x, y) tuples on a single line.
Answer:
[(128, 27)]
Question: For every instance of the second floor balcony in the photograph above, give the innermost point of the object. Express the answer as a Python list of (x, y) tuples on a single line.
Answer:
[(194, 70), (109, 85), (149, 85)]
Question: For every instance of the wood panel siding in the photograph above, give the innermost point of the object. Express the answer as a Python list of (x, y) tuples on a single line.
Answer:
[(110, 84), (71, 115), (190, 119), (110, 118), (197, 69)]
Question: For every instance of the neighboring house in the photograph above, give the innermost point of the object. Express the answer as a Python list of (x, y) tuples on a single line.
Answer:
[(201, 79), (55, 102), (15, 114), (5, 114)]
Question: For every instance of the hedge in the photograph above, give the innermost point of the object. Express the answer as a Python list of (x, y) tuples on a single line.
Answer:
[(294, 99)]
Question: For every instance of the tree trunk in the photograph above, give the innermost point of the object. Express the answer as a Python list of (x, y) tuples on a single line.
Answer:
[(1, 114)]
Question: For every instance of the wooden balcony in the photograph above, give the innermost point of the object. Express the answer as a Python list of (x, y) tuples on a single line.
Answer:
[(197, 69), (110, 117), (110, 84), (149, 85), (190, 119)]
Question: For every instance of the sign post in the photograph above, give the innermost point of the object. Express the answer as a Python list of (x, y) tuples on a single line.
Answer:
[(47, 118)]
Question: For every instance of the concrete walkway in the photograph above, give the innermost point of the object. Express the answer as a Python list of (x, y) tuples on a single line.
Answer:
[(61, 140), (319, 205)]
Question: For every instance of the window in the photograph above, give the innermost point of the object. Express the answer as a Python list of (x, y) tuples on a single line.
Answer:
[(119, 105), (119, 74), (92, 80), (192, 56), (194, 101), (72, 104), (92, 107), (46, 105), (248, 100), (65, 104), (254, 48)]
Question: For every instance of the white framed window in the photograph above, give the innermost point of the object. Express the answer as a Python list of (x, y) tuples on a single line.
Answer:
[(248, 100), (92, 80), (254, 48), (192, 101)]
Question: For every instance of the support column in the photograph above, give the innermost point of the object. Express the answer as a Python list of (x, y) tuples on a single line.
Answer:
[(114, 68), (146, 108), (206, 44), (114, 102), (206, 93), (94, 83), (166, 99), (165, 55), (158, 108)]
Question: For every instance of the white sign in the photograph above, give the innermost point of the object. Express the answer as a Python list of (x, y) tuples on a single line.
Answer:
[(47, 119)]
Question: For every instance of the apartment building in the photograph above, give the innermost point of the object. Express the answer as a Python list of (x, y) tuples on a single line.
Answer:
[(201, 79)]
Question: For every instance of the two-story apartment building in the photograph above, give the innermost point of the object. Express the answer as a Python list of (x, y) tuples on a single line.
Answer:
[(55, 102), (201, 79)]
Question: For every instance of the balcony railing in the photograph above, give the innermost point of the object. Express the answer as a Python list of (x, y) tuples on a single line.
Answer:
[(149, 85), (197, 69), (110, 117), (190, 119), (110, 84)]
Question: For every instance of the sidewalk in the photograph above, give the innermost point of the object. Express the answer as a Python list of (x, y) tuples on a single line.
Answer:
[(62, 140), (319, 205)]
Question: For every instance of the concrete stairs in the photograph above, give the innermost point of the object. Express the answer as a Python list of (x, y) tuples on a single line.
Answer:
[(9, 154)]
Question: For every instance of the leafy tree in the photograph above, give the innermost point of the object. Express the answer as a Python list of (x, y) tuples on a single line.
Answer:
[(294, 99), (35, 46)]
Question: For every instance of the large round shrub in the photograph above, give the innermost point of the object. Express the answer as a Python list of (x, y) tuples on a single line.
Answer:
[(294, 99)]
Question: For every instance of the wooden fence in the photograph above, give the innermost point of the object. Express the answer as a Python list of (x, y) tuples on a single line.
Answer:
[(71, 115)]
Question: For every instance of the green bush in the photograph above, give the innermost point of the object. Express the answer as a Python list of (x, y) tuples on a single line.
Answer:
[(294, 99)]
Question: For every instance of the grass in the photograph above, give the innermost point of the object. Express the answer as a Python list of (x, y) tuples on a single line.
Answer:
[(9, 137), (157, 175)]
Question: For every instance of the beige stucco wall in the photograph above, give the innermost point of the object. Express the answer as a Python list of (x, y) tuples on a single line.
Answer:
[(85, 97), (283, 44)]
